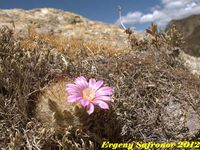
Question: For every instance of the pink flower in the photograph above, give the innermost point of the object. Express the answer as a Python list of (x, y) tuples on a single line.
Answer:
[(89, 94)]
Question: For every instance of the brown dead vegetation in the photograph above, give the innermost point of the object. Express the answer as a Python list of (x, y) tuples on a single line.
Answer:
[(69, 45), (145, 83)]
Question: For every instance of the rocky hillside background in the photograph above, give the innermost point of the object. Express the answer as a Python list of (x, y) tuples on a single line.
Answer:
[(59, 22), (74, 26), (190, 29), (156, 97)]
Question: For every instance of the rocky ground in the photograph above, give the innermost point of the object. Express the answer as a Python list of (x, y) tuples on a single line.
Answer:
[(191, 62)]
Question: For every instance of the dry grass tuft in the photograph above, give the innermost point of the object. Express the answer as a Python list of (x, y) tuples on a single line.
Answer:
[(71, 46)]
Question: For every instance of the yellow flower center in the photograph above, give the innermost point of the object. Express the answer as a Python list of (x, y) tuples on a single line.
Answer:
[(88, 94)]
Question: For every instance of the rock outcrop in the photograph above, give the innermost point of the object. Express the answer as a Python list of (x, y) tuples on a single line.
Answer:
[(190, 29), (59, 22)]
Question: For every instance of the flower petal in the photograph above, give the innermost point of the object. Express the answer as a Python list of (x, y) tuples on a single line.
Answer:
[(90, 108), (103, 98), (101, 104), (81, 82), (73, 91), (104, 91), (71, 86), (92, 83), (84, 102), (98, 85), (73, 98)]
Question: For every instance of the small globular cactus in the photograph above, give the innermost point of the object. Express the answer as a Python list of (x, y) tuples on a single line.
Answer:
[(79, 111)]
